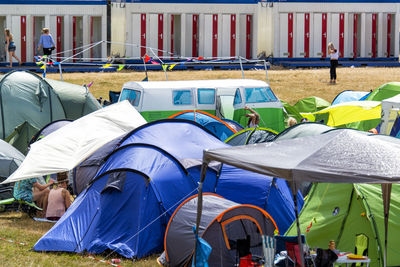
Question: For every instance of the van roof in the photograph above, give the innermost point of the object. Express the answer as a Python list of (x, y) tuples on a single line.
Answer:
[(223, 83)]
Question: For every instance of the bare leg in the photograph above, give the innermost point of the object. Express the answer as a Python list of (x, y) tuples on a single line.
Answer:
[(15, 56), (10, 58)]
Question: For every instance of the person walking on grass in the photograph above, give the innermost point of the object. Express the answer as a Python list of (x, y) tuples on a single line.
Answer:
[(10, 46), (334, 54)]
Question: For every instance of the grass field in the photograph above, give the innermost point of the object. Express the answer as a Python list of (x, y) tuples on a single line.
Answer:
[(289, 85)]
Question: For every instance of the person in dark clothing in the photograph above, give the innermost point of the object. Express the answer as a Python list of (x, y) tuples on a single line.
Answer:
[(334, 54)]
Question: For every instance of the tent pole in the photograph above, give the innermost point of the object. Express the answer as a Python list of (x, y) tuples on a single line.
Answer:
[(386, 193), (294, 191), (199, 204)]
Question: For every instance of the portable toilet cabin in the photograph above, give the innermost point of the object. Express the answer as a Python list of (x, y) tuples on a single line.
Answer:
[(161, 99)]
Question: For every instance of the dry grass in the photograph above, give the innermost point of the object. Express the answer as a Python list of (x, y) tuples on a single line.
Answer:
[(289, 85)]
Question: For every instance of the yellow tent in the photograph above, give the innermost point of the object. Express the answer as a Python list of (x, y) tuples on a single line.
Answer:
[(347, 112)]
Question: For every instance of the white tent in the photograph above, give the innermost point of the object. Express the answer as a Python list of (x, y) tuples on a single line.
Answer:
[(65, 148)]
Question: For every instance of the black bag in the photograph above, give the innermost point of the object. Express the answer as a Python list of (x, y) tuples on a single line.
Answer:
[(52, 48)]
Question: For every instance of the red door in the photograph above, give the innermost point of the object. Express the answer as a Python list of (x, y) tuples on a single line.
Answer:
[(306, 35), (215, 36), (324, 35), (59, 33), (389, 32), (142, 34), (172, 36), (290, 35), (355, 38), (341, 35), (249, 19), (233, 35), (195, 35), (373, 35), (23, 38), (160, 35), (74, 37)]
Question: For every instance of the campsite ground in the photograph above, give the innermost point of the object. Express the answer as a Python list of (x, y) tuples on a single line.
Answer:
[(289, 85)]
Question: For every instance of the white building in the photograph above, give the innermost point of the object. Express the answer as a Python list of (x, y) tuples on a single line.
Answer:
[(222, 28), (74, 24)]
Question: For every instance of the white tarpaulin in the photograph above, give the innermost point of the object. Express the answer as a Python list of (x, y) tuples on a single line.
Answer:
[(65, 148)]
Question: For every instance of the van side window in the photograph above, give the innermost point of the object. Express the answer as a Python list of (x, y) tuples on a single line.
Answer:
[(238, 97), (182, 97), (133, 96), (206, 96), (259, 95)]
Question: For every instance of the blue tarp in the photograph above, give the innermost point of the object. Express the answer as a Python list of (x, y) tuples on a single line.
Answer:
[(135, 192)]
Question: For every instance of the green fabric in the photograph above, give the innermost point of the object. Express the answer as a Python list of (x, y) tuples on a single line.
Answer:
[(311, 104), (360, 212), (21, 137), (385, 91), (361, 245), (271, 118), (291, 112)]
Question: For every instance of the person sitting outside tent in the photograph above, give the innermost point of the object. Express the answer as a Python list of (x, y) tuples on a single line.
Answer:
[(59, 198), (25, 190), (291, 121), (254, 118)]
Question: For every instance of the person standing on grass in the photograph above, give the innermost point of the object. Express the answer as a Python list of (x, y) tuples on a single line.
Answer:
[(46, 42), (334, 54), (254, 118), (10, 46)]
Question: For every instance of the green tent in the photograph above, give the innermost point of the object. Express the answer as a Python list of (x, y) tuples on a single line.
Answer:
[(28, 99), (385, 91), (340, 212), (311, 104)]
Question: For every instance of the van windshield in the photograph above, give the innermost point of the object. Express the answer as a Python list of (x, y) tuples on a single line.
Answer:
[(133, 96), (260, 95), (206, 96)]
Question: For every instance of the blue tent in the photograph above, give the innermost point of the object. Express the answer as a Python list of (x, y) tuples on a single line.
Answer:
[(349, 95), (218, 127), (156, 167)]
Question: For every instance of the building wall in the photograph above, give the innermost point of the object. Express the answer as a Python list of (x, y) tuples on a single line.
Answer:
[(210, 29), (18, 15), (368, 39)]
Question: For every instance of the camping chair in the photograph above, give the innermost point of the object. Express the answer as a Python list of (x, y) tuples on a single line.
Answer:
[(269, 246), (290, 245), (28, 207), (361, 246)]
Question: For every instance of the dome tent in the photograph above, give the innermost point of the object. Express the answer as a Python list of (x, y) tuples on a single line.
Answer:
[(10, 159), (145, 178), (251, 136), (223, 224), (28, 98)]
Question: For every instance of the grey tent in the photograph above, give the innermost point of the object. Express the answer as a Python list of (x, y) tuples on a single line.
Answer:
[(338, 156), (303, 129), (48, 129), (10, 159), (223, 223), (28, 99)]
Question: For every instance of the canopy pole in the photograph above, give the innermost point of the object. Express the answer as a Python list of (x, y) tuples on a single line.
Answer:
[(199, 204), (386, 193), (241, 66), (294, 191)]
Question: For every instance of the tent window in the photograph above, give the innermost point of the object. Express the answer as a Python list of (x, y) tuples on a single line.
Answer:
[(182, 97), (260, 95), (133, 96), (238, 97), (206, 96), (116, 180)]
